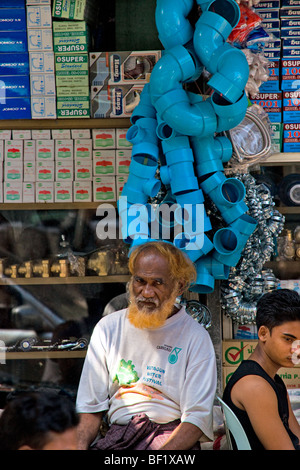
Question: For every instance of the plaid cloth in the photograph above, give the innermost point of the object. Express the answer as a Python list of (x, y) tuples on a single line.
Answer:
[(139, 434)]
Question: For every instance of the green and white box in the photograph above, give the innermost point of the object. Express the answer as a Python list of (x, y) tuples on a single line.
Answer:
[(104, 188), (45, 171), (28, 192), (82, 191), (44, 191), (13, 149), (63, 191)]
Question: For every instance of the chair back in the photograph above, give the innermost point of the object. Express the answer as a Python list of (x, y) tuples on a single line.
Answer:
[(233, 425)]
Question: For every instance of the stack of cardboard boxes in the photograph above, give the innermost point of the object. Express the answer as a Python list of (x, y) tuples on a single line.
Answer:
[(63, 165)]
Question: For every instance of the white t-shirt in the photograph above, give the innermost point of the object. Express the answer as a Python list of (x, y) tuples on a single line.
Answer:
[(168, 373)]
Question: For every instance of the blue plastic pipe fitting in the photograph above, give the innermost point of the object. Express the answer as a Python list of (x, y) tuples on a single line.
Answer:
[(210, 153), (227, 194), (171, 21)]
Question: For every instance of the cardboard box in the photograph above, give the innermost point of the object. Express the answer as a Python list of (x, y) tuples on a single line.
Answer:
[(59, 134), (42, 84), (271, 103), (120, 181), (13, 41), (39, 16), (41, 134), (116, 101), (73, 107), (13, 149), (1, 150), (18, 66), (41, 62), (123, 160), (82, 191), (104, 162), (12, 191), (70, 37), (29, 170), (122, 67), (43, 107), (83, 170), (63, 191), (291, 106), (64, 149), (29, 150), (16, 108), (121, 141), (13, 170), (290, 70), (45, 149), (235, 351), (291, 137), (21, 134), (80, 133), (64, 170), (45, 171), (76, 9), (39, 40), (28, 192), (69, 65), (104, 138), (104, 188), (44, 191), (83, 148), (12, 19)]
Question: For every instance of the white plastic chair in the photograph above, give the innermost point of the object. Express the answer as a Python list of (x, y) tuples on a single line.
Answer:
[(233, 425)]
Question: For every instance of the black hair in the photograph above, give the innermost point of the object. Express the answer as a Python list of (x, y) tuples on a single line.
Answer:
[(30, 417), (277, 307)]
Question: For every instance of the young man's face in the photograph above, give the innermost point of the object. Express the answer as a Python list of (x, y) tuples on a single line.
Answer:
[(152, 291), (282, 344)]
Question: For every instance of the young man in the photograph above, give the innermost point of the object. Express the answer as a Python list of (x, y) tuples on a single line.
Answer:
[(255, 393), (151, 366), (39, 421)]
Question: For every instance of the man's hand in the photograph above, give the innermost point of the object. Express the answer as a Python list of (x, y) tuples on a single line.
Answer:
[(183, 437), (88, 429)]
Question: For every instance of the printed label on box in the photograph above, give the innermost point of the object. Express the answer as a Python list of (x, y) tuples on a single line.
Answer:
[(45, 192), (104, 188), (82, 191)]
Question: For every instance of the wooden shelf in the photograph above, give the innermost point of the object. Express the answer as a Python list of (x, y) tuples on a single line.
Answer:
[(11, 206), (279, 159), (37, 281), (45, 355), (22, 124)]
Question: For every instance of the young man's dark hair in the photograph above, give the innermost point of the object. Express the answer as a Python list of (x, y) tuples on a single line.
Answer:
[(277, 307), (31, 419)]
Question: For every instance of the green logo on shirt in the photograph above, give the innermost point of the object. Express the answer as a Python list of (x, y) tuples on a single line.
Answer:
[(126, 374), (173, 356)]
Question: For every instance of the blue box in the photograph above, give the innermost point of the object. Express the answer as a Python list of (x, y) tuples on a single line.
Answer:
[(267, 4), (13, 86), (291, 106), (291, 52), (290, 33), (12, 19), (271, 103), (14, 64), (290, 12), (12, 3), (290, 74), (269, 14), (13, 41), (291, 137), (16, 108), (290, 23)]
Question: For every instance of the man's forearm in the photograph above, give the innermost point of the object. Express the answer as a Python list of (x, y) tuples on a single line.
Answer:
[(88, 429), (183, 437)]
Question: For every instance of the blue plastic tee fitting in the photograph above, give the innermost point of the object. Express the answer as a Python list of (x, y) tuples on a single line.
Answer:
[(210, 153), (227, 194)]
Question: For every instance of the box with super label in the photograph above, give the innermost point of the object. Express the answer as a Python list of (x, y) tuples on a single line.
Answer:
[(291, 106), (121, 67), (70, 36), (291, 137), (290, 75), (104, 188), (271, 103), (114, 101)]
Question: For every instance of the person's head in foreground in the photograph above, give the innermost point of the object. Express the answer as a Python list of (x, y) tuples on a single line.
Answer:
[(39, 421), (278, 326), (160, 273)]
